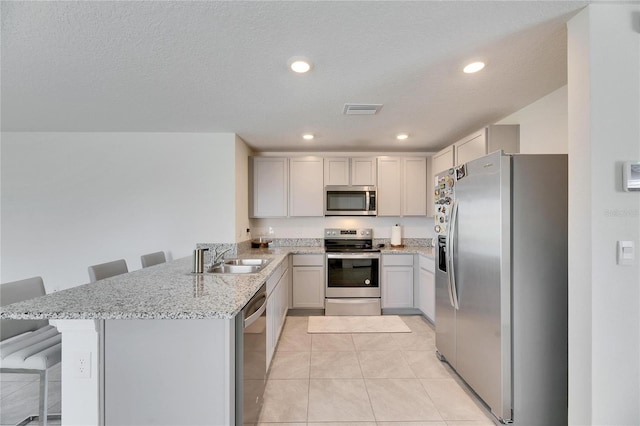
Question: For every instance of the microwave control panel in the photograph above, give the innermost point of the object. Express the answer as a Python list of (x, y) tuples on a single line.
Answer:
[(444, 196)]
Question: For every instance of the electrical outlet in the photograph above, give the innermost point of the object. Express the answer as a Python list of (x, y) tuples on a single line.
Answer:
[(82, 365)]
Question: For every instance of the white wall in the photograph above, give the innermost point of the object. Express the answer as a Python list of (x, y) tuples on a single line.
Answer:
[(70, 200), (604, 298), (543, 124), (242, 190)]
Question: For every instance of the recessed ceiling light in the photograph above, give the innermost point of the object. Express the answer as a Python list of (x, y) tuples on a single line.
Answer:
[(307, 136), (299, 64), (402, 136), (473, 67)]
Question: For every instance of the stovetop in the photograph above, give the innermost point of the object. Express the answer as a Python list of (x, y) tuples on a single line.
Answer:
[(352, 250), (349, 240)]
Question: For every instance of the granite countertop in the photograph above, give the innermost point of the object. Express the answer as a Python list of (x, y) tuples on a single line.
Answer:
[(165, 291), (424, 251)]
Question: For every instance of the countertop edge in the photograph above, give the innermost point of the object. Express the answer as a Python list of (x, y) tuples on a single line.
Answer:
[(172, 275)]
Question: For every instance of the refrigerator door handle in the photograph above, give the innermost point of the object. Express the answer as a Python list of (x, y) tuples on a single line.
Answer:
[(451, 249), (448, 260)]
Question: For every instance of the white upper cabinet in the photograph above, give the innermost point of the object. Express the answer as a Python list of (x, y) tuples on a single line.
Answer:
[(336, 171), (414, 178), (443, 160), (363, 171), (402, 186), (389, 194), (350, 171), (474, 146), (478, 144), (430, 188), (270, 186), (306, 191), (485, 141)]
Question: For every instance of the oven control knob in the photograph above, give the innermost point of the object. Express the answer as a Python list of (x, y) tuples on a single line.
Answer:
[(437, 228), (367, 281)]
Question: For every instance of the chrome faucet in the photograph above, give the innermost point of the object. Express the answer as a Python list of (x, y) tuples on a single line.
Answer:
[(218, 257)]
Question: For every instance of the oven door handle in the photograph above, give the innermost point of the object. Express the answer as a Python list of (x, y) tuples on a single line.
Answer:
[(353, 255)]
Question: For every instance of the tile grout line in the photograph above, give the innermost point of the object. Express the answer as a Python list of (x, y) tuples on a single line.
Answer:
[(309, 375), (364, 381)]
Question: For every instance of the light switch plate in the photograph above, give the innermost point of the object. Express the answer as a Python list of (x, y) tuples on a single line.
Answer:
[(631, 176), (625, 252)]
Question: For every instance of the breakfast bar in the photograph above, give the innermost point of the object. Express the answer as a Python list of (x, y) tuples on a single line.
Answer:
[(159, 343)]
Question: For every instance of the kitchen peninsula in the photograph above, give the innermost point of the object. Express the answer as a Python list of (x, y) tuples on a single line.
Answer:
[(160, 340)]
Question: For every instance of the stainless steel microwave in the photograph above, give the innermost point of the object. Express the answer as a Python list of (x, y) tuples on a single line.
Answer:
[(350, 200)]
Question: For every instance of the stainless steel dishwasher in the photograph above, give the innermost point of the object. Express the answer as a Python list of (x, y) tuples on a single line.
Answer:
[(251, 358)]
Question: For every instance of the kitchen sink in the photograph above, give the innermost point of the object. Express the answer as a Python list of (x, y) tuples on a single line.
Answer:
[(247, 262), (239, 266)]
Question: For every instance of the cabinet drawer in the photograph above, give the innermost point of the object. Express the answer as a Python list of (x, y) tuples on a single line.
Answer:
[(397, 260), (427, 263), (308, 260), (272, 281)]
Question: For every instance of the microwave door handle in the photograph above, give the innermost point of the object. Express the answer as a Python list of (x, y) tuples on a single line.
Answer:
[(366, 201)]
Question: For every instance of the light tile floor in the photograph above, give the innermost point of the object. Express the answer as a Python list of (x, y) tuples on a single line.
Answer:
[(19, 395), (368, 379), (383, 379)]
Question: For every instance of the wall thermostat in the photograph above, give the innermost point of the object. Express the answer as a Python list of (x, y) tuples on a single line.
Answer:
[(631, 176)]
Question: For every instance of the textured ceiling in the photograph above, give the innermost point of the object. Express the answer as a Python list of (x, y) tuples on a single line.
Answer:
[(175, 66)]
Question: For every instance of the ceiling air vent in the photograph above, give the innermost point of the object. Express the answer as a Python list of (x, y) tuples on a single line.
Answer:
[(361, 109)]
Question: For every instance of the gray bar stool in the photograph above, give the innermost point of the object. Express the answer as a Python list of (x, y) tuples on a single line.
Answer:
[(29, 346), (106, 270), (152, 259)]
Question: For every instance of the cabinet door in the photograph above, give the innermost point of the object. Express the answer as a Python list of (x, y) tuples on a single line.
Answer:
[(443, 160), (397, 287), (283, 298), (430, 188), (271, 327), (427, 294), (472, 147), (336, 171), (363, 171), (308, 287), (270, 187), (389, 186), (306, 190), (414, 194)]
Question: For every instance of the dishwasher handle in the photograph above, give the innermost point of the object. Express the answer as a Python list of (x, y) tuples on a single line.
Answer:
[(257, 308)]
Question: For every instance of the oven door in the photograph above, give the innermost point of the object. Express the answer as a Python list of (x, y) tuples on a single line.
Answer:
[(353, 275)]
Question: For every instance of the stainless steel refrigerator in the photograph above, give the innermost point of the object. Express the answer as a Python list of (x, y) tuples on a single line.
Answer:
[(501, 282)]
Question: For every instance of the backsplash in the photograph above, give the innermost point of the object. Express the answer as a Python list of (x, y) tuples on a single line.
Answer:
[(407, 242), (214, 248), (235, 249)]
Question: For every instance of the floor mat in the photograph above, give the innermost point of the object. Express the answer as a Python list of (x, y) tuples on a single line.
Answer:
[(357, 324)]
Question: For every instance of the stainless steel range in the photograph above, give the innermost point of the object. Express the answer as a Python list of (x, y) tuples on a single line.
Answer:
[(353, 272)]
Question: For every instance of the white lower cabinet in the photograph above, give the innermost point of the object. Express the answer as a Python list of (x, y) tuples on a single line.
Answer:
[(427, 288), (308, 281), (397, 281), (277, 305)]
